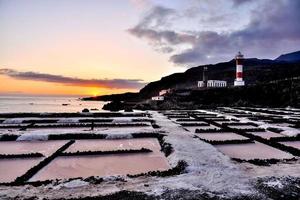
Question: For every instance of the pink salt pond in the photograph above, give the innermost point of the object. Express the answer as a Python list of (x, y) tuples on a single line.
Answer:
[(251, 151), (221, 136), (242, 126), (294, 144), (110, 145), (266, 134), (107, 165), (194, 128), (12, 168), (25, 147)]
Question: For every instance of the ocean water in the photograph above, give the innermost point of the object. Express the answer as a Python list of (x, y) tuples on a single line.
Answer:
[(17, 104)]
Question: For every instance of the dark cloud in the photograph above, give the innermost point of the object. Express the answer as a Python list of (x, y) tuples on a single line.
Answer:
[(149, 28), (274, 28), (162, 37), (240, 2), (103, 83)]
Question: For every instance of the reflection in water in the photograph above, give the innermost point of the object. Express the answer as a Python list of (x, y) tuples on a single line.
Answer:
[(46, 104)]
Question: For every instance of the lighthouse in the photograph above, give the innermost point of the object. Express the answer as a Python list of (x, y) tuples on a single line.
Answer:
[(239, 70)]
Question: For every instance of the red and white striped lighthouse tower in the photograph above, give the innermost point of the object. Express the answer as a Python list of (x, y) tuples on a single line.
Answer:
[(239, 70)]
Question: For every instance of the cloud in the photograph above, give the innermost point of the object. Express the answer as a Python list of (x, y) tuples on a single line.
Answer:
[(149, 28), (70, 81), (272, 28), (162, 37), (240, 2), (157, 16)]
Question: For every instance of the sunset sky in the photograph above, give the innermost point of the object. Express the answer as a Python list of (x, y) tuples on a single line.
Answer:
[(94, 47)]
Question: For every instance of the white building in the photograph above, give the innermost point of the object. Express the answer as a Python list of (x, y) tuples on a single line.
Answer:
[(158, 98), (161, 95), (200, 84), (213, 83), (216, 83), (163, 92)]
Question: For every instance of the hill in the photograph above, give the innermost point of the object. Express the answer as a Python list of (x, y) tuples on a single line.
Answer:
[(256, 71), (290, 57), (274, 94)]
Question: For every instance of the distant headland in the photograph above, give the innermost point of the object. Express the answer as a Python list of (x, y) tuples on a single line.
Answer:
[(274, 83)]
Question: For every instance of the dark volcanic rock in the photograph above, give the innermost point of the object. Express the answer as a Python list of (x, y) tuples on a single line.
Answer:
[(128, 109), (279, 188), (114, 106), (85, 110)]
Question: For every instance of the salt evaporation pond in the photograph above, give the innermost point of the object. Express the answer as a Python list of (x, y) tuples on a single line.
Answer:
[(266, 134), (283, 124), (43, 132), (221, 136), (242, 126), (294, 144), (12, 168), (25, 147), (251, 151), (4, 126), (194, 128), (74, 124), (107, 165), (110, 145)]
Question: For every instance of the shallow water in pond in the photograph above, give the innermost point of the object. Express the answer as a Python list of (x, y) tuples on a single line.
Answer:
[(266, 134), (89, 124), (252, 151), (120, 144), (295, 144), (12, 168), (196, 123), (193, 128), (102, 130), (282, 124), (221, 136), (85, 166), (242, 126), (25, 147)]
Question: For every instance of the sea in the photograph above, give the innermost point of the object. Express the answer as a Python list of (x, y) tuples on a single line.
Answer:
[(40, 104)]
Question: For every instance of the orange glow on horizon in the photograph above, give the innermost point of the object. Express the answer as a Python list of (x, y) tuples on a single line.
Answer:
[(25, 87)]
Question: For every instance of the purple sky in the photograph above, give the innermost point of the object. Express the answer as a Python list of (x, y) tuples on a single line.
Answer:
[(210, 31), (127, 43)]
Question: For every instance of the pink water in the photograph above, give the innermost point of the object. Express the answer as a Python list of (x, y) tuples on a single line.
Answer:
[(21, 104), (25, 147), (221, 136), (295, 144), (242, 126), (85, 166), (109, 145), (266, 134), (252, 151), (10, 169), (193, 128)]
